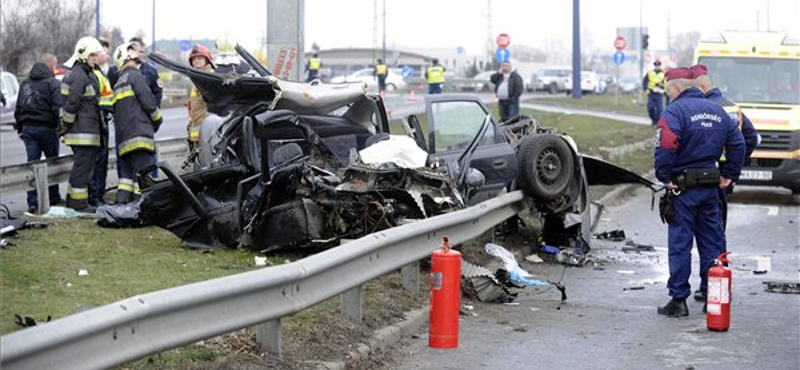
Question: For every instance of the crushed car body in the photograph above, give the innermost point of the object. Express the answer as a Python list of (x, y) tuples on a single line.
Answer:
[(282, 168)]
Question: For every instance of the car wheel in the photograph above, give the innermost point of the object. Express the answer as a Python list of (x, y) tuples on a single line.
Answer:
[(546, 166), (391, 87), (553, 88), (485, 88)]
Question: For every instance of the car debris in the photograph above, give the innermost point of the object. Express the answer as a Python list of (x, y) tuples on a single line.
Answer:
[(788, 287), (613, 235), (479, 283), (282, 165), (27, 321), (631, 246), (633, 288), (572, 257)]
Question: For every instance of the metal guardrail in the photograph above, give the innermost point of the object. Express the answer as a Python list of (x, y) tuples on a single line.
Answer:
[(38, 175), (135, 327)]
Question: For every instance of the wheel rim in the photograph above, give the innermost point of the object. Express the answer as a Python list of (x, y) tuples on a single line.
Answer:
[(548, 167)]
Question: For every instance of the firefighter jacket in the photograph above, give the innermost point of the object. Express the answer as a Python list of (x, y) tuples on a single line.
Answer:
[(80, 114), (198, 111), (136, 115), (692, 133)]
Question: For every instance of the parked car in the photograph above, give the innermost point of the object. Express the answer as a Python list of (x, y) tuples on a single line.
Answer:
[(10, 88), (481, 82), (589, 83), (629, 85), (394, 80), (552, 80), (287, 169), (530, 86)]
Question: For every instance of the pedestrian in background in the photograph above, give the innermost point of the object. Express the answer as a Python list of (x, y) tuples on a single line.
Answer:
[(313, 66), (137, 119), (52, 62), (199, 58), (36, 122), (80, 118), (691, 136), (434, 76), (653, 85), (380, 72), (508, 87)]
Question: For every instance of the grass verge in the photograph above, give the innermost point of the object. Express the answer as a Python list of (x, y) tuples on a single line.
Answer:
[(628, 103)]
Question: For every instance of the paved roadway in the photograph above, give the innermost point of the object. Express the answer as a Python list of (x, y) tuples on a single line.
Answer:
[(603, 326)]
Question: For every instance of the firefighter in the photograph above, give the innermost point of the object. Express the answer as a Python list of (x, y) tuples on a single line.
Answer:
[(381, 72), (691, 136), (435, 77), (653, 85), (80, 120), (312, 67), (106, 102), (199, 58), (751, 140), (137, 119)]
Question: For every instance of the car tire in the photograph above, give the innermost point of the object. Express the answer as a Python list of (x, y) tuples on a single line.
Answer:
[(485, 88), (391, 87), (552, 89), (546, 166)]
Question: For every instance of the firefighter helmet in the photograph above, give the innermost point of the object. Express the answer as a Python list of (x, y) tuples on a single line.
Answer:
[(124, 53), (201, 51), (86, 46), (225, 46)]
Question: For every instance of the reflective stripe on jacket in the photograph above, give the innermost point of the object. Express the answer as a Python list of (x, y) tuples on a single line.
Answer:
[(135, 112), (314, 64), (655, 81), (106, 94), (81, 112), (435, 75)]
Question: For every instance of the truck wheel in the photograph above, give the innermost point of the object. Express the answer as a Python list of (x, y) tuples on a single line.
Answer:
[(546, 166), (553, 88)]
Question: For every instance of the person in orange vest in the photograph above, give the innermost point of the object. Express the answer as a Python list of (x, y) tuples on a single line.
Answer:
[(381, 71), (199, 58), (435, 77)]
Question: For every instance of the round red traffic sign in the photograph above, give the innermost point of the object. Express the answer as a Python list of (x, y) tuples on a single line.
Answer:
[(619, 43), (503, 40)]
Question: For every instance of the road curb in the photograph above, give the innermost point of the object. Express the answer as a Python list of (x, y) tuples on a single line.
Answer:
[(380, 340)]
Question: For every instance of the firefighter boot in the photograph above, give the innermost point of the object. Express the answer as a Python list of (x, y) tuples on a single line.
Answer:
[(80, 205), (674, 308)]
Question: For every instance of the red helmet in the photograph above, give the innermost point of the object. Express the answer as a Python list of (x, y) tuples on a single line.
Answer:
[(201, 51)]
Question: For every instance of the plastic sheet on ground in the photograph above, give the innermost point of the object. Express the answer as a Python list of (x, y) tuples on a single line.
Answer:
[(64, 212), (399, 149), (509, 262)]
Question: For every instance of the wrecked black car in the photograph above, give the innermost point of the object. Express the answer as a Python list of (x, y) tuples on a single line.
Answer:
[(294, 165)]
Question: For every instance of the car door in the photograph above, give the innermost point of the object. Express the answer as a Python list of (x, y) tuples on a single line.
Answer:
[(453, 122)]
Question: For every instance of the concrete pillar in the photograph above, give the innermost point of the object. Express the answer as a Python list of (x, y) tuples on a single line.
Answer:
[(285, 38)]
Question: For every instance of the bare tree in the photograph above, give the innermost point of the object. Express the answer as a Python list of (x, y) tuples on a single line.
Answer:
[(684, 45)]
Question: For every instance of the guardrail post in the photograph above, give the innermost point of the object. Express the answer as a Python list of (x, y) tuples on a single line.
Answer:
[(353, 304), (410, 277), (268, 337), (41, 184)]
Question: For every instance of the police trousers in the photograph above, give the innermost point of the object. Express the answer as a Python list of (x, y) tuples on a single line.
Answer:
[(655, 104)]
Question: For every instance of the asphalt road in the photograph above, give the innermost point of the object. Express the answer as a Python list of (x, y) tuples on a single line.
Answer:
[(604, 326)]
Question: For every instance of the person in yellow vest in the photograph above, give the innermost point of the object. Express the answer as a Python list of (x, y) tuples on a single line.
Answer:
[(380, 72), (137, 119), (199, 58), (653, 85), (313, 66), (106, 102), (435, 77)]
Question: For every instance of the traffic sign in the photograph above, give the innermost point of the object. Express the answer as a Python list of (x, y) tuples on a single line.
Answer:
[(407, 72), (619, 58), (501, 55), (503, 40), (619, 43), (460, 50), (185, 45)]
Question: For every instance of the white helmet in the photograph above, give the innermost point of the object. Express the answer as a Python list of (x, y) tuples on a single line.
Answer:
[(86, 46), (124, 53)]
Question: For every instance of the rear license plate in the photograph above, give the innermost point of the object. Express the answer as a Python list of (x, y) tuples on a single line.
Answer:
[(756, 175)]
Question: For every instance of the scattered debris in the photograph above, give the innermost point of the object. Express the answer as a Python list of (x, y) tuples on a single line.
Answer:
[(758, 264), (626, 272), (631, 246), (479, 283), (534, 258), (260, 261), (120, 216), (633, 288), (513, 279), (613, 235), (509, 262), (83, 272), (64, 212), (27, 321), (511, 304), (782, 287), (572, 257), (549, 249)]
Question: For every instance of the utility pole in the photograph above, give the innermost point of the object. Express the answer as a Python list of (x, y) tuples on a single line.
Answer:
[(669, 39), (374, 30), (383, 55), (488, 34), (154, 26), (767, 15), (97, 19), (576, 49), (641, 48)]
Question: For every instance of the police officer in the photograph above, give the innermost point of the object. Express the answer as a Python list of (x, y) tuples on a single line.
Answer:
[(313, 66), (691, 136), (199, 58), (751, 138), (381, 71), (80, 120), (653, 85), (435, 77), (137, 118)]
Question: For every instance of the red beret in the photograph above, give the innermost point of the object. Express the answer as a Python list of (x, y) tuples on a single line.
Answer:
[(680, 72), (699, 70)]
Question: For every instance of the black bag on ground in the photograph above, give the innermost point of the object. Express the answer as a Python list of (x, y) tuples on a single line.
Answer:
[(119, 216)]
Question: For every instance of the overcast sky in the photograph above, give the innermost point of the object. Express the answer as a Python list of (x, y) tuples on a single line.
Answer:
[(453, 23)]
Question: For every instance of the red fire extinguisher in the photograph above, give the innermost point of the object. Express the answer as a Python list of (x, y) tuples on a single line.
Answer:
[(445, 297), (718, 301)]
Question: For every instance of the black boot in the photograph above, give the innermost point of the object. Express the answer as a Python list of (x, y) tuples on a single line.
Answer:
[(674, 308), (700, 296)]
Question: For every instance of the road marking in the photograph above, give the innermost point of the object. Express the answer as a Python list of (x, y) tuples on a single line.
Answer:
[(772, 211)]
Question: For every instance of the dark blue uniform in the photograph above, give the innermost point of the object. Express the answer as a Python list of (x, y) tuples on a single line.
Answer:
[(692, 134)]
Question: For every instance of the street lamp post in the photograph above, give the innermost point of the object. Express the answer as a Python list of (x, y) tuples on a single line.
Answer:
[(97, 19), (154, 26)]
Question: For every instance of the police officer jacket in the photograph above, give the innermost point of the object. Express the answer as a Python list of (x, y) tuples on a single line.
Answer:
[(39, 99), (81, 112), (692, 133), (136, 116), (153, 81), (745, 125)]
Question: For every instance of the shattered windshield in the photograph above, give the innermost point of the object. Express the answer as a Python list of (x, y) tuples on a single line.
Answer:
[(756, 80)]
